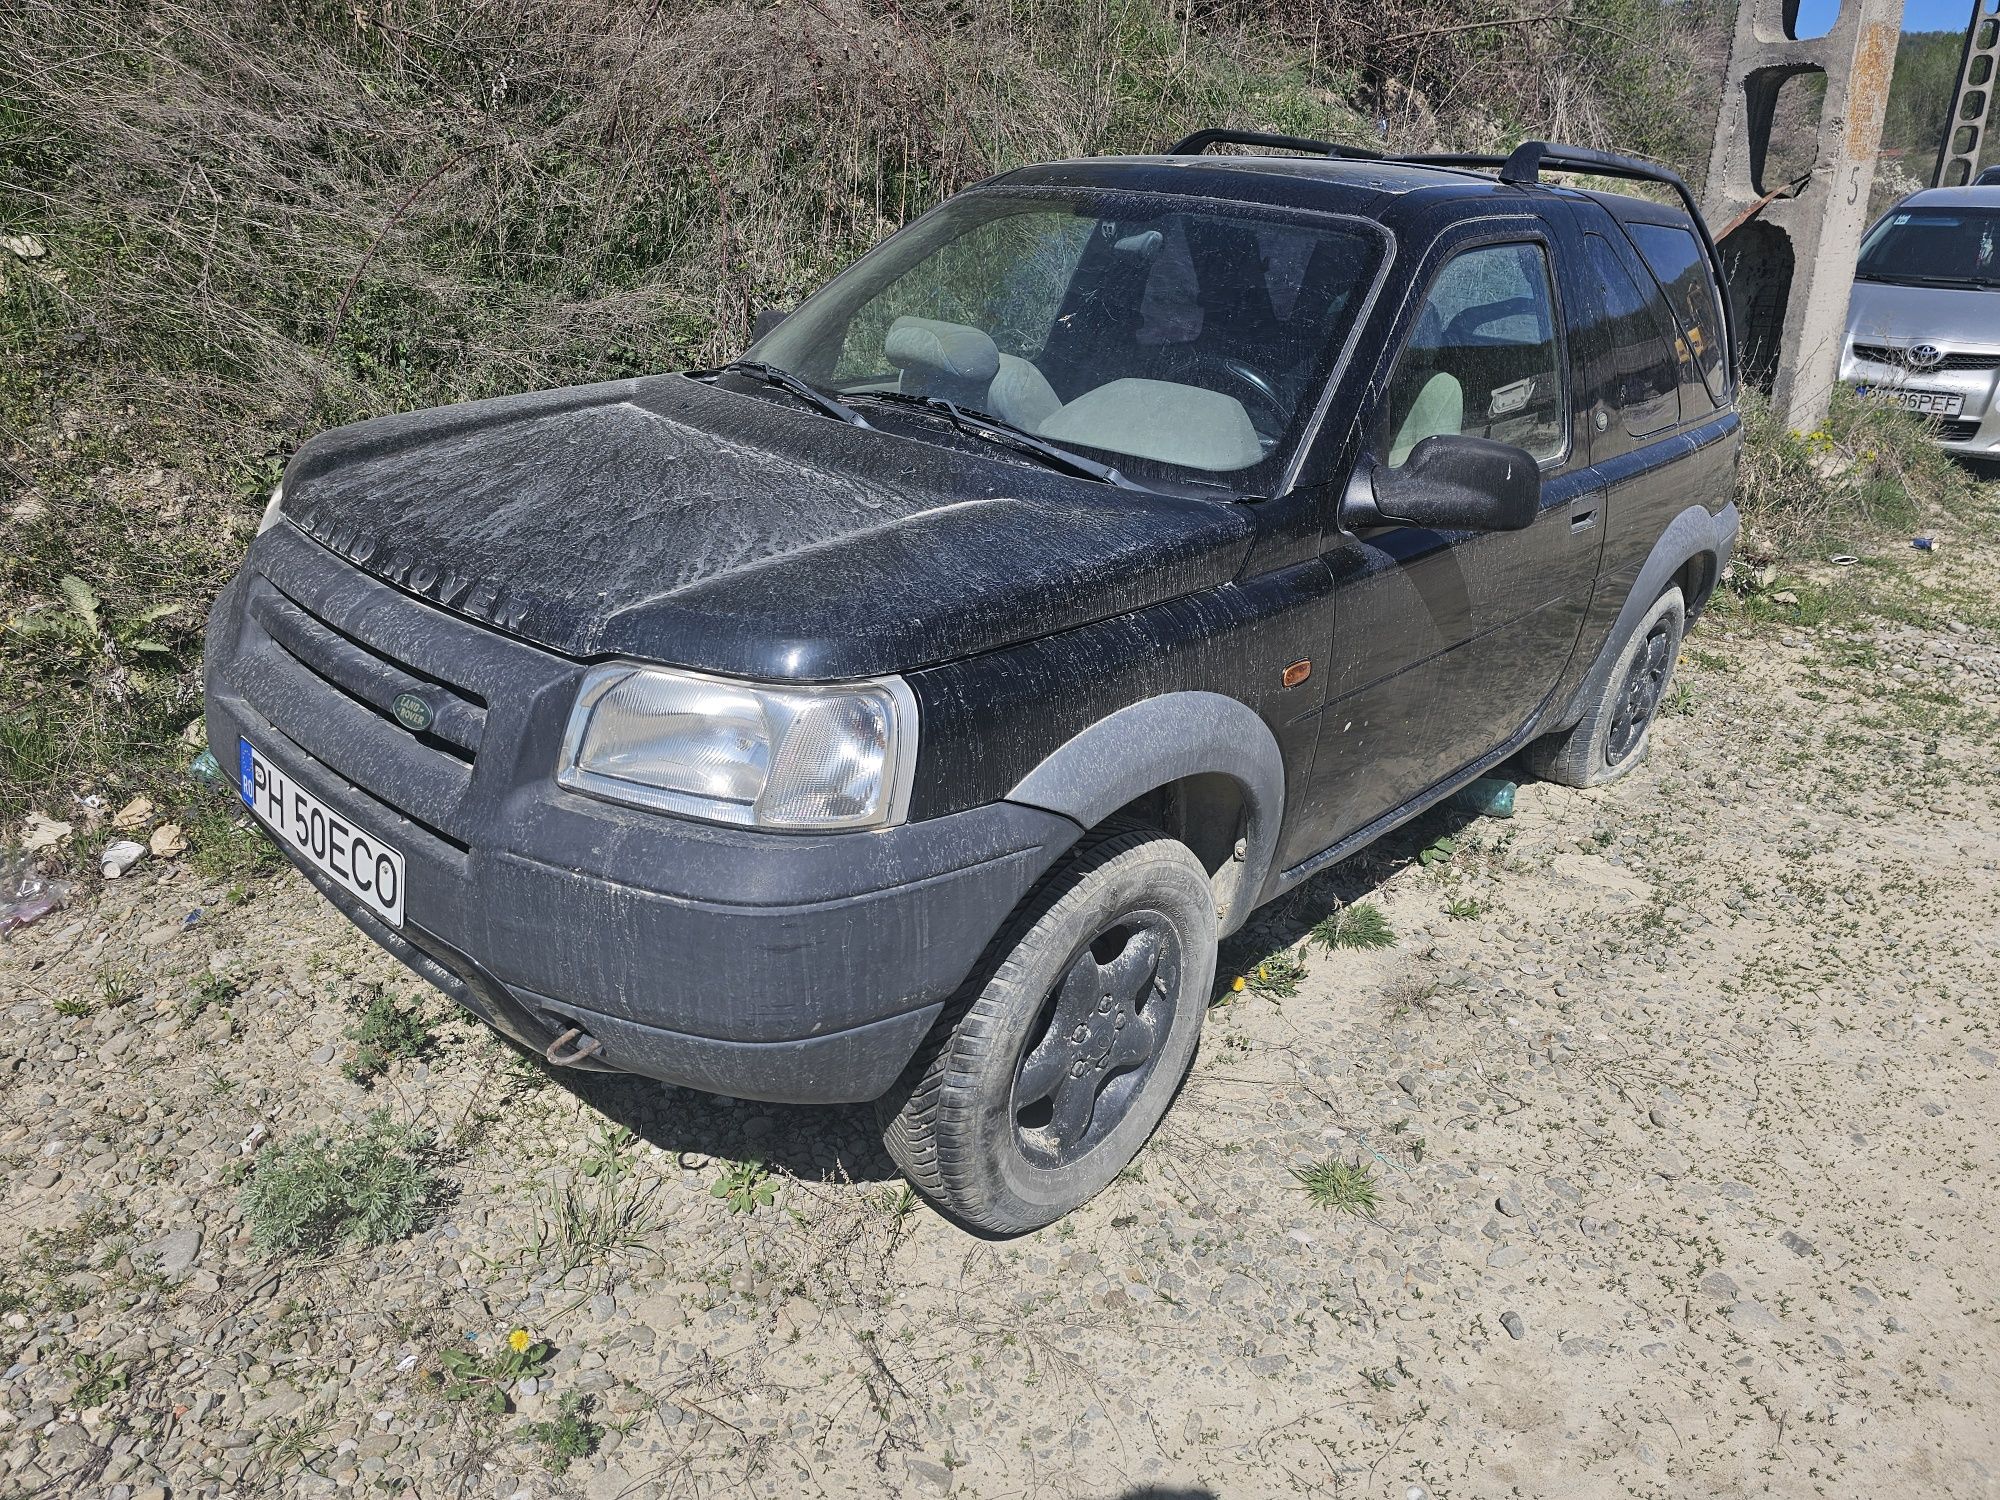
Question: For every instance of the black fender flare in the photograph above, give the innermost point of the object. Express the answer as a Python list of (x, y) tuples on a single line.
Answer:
[(1158, 741), (1695, 532)]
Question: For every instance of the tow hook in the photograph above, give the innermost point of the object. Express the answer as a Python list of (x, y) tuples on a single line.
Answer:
[(586, 1046)]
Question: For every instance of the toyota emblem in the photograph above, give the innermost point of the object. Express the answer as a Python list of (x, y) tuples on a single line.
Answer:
[(1926, 356)]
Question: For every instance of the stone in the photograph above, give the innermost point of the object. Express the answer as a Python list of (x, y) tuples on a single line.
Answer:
[(1511, 1321), (175, 1252)]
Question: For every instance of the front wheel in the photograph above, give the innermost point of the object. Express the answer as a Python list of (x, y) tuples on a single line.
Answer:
[(1035, 1091), (1612, 736)]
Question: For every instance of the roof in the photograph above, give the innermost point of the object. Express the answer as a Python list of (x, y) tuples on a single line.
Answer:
[(1331, 184), (1954, 197)]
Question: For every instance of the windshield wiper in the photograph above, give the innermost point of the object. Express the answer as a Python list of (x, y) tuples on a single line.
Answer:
[(785, 380), (983, 424), (1966, 282)]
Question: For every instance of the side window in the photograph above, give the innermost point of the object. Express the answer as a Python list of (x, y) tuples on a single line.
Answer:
[(1483, 358), (1643, 377), (1675, 257)]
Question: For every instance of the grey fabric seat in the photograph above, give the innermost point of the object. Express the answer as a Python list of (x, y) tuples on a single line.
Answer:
[(1160, 420)]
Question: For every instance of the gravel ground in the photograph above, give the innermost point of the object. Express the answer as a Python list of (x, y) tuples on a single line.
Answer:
[(1678, 1102)]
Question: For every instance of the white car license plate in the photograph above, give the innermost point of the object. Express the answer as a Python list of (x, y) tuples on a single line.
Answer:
[(1930, 403), (357, 862)]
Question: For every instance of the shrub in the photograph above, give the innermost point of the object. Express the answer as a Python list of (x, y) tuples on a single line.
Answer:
[(1337, 1186), (1870, 467), (318, 1191), (1359, 924), (385, 1032)]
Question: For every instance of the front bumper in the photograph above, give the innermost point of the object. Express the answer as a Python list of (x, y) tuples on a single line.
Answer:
[(1975, 431), (804, 968)]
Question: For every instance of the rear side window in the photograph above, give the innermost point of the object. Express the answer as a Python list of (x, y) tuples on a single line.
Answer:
[(1483, 358), (1675, 257), (1643, 384)]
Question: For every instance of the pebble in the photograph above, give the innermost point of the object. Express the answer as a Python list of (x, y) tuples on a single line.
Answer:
[(1511, 1321), (175, 1252)]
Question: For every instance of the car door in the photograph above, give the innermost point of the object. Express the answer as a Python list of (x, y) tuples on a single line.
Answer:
[(1446, 643)]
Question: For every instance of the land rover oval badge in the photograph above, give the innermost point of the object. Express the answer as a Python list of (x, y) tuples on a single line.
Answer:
[(412, 712)]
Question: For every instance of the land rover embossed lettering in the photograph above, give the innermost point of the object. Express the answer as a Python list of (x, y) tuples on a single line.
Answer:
[(903, 711), (412, 712)]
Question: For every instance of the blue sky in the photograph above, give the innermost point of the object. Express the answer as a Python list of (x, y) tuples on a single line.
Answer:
[(1815, 16)]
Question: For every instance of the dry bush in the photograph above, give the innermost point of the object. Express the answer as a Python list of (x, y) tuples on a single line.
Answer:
[(263, 218)]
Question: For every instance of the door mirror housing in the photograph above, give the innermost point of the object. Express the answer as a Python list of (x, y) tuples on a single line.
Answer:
[(1452, 483), (765, 321)]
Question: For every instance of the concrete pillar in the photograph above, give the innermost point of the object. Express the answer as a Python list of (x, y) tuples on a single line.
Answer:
[(1792, 264), (1972, 105)]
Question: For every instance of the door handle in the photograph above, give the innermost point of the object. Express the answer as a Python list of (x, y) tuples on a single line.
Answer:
[(1582, 516)]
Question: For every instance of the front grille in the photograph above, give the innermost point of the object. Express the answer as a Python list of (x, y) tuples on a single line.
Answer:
[(372, 675), (1897, 356), (1959, 430)]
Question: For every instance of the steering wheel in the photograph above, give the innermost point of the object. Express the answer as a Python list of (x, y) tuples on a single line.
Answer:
[(1275, 409)]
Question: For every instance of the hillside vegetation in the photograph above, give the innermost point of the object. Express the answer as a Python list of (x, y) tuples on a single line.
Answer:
[(234, 223)]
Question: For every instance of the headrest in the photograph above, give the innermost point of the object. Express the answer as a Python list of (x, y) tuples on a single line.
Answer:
[(948, 348)]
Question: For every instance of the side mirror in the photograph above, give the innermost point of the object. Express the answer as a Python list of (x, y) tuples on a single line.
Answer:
[(765, 321), (1453, 483)]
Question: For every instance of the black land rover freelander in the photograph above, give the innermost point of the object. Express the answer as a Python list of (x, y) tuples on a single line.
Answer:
[(904, 711)]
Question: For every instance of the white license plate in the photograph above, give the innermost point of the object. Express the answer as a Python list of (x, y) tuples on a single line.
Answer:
[(357, 862), (1930, 403)]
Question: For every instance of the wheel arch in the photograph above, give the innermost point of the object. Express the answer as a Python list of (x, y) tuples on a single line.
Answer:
[(1691, 553), (1200, 766)]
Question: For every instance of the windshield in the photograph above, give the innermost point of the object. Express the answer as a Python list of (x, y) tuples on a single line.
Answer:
[(1926, 246), (1181, 343)]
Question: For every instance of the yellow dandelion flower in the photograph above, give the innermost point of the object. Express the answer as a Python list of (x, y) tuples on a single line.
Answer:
[(519, 1340), (1238, 984)]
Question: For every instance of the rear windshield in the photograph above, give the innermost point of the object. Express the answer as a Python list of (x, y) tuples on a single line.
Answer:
[(1934, 247), (1184, 340)]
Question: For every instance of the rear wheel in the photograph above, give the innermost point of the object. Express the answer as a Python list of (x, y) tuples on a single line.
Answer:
[(1612, 736), (1039, 1087)]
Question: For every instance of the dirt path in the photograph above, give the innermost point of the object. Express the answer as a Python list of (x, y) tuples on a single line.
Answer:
[(1680, 1103)]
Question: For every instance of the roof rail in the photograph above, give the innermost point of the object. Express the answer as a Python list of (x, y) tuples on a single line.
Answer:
[(1523, 168), (1201, 140)]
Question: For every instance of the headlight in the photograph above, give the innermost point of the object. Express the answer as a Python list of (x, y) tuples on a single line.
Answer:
[(734, 752), (271, 510)]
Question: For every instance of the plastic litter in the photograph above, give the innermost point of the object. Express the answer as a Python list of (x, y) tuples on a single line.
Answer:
[(25, 896), (204, 767), (1488, 797), (1924, 543), (1843, 559), (119, 857)]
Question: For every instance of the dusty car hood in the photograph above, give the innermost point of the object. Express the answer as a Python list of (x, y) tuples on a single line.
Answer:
[(662, 518), (1950, 317)]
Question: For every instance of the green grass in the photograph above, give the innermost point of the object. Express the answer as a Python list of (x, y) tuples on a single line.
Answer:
[(746, 1187), (385, 1033), (1338, 1187), (317, 1192), (38, 1277), (566, 1437), (1278, 975), (98, 1379), (1360, 924)]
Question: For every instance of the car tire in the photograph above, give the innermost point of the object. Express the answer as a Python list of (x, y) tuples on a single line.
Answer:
[(1613, 735), (1055, 1063)]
